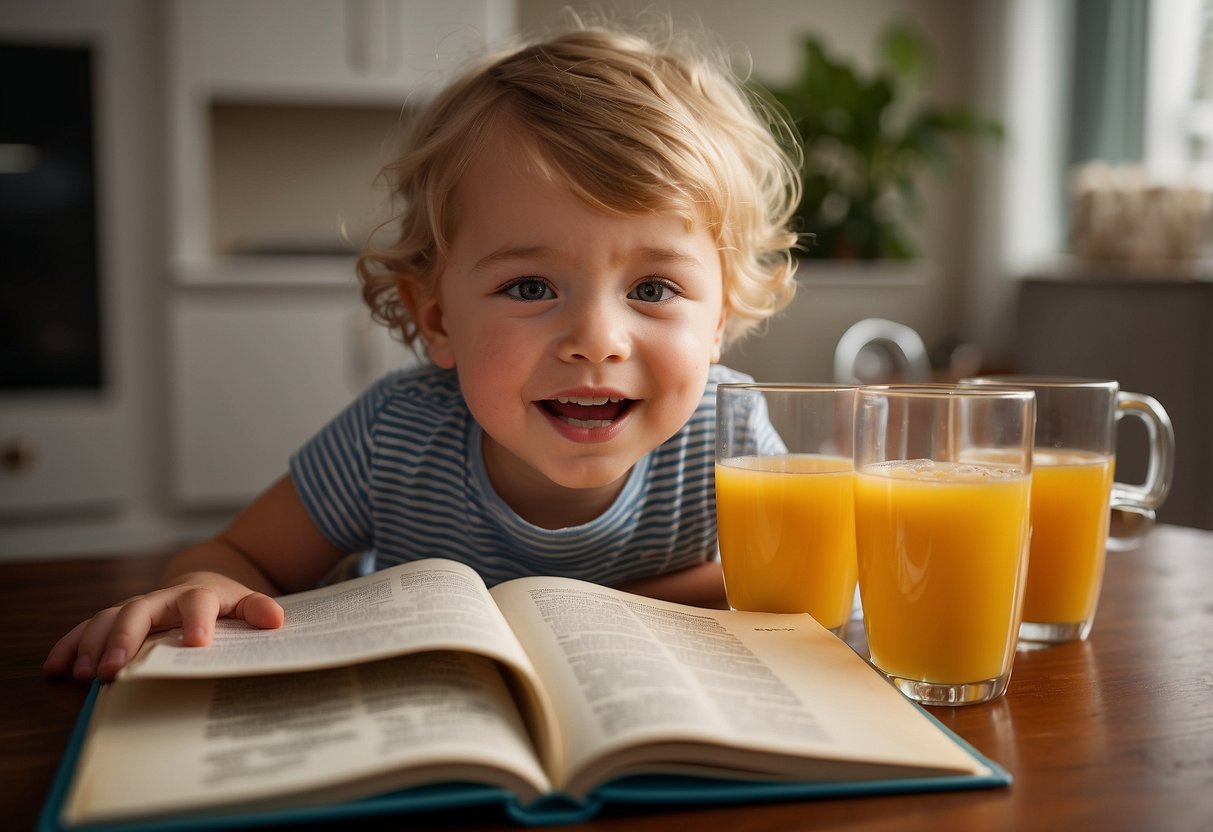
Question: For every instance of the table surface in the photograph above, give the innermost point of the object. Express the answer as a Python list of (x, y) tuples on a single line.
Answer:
[(1109, 734)]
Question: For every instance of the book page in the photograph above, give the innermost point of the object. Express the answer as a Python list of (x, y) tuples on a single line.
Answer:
[(162, 747), (430, 604), (668, 687)]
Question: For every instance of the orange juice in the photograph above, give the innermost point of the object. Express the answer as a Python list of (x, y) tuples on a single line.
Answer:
[(1070, 493), (787, 534), (942, 551)]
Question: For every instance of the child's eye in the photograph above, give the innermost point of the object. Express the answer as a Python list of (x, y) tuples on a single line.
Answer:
[(653, 291), (529, 288)]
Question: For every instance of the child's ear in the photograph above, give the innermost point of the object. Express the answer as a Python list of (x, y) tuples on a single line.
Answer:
[(425, 308)]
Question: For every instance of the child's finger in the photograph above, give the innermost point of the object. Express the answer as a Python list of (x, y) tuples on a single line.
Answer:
[(62, 656), (135, 619), (105, 643), (260, 610), (198, 608), (92, 641)]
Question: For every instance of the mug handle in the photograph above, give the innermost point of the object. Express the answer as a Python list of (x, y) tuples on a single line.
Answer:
[(1151, 493)]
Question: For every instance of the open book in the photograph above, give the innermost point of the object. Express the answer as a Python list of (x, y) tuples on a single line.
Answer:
[(550, 695)]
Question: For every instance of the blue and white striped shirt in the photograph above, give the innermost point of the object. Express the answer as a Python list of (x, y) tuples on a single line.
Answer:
[(400, 472)]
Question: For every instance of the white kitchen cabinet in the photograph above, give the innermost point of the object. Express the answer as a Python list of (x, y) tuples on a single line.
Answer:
[(61, 454), (355, 50), (328, 65), (274, 108), (67, 453), (254, 374)]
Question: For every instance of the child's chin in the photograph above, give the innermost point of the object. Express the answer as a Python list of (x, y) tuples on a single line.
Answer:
[(588, 475)]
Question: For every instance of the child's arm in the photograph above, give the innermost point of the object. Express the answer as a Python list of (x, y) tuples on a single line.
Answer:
[(701, 585), (272, 547)]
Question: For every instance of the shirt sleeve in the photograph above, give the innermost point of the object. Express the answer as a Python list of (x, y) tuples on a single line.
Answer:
[(332, 472)]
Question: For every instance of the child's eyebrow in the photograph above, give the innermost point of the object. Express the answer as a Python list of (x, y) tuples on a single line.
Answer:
[(645, 254), (506, 254), (672, 256)]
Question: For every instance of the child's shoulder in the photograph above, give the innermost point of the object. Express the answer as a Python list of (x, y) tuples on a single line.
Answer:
[(422, 384)]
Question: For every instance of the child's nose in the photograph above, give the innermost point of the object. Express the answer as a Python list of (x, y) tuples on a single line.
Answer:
[(596, 334)]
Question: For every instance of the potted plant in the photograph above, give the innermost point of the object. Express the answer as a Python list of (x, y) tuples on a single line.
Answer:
[(867, 145)]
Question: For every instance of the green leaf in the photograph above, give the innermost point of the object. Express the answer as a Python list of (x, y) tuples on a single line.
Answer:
[(864, 155), (906, 53)]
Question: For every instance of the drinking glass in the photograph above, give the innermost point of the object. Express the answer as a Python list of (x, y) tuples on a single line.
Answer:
[(784, 498), (1073, 492), (942, 484)]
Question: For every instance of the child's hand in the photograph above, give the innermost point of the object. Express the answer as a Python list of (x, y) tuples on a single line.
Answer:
[(103, 644)]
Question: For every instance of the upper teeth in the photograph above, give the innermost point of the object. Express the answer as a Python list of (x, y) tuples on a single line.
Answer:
[(587, 400)]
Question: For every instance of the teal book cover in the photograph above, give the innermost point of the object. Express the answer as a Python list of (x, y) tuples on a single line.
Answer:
[(632, 791)]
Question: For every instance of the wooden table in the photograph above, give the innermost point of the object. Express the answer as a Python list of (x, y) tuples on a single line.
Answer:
[(1112, 734)]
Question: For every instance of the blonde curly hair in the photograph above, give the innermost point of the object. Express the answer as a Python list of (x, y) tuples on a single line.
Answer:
[(632, 126)]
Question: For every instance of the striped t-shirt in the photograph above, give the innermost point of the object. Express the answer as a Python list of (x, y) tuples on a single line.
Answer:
[(400, 472)]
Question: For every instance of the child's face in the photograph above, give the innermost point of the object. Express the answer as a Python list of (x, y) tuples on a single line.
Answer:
[(582, 340)]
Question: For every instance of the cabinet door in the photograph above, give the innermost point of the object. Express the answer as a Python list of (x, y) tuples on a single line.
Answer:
[(320, 48), (62, 454), (1151, 335), (255, 374)]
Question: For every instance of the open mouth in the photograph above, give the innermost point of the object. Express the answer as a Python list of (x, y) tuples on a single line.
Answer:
[(587, 412)]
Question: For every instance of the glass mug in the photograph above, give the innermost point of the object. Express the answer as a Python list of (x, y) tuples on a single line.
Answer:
[(1073, 491), (784, 499), (942, 489)]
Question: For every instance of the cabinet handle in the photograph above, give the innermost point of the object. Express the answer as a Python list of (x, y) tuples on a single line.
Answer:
[(371, 28), (17, 455)]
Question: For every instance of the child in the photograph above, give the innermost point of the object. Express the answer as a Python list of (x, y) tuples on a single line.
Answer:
[(585, 223)]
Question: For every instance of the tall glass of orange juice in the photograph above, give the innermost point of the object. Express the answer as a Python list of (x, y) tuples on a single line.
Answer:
[(1073, 491), (942, 490), (784, 499)]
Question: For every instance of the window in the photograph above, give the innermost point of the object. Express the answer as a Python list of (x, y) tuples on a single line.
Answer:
[(1179, 93)]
